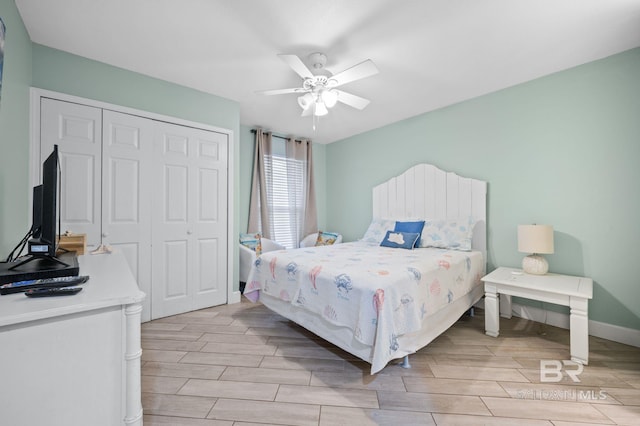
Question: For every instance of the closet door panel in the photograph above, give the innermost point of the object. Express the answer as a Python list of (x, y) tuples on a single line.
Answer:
[(209, 217), (127, 168), (77, 188), (176, 179), (76, 129), (190, 204), (175, 265), (208, 266), (208, 210), (172, 272)]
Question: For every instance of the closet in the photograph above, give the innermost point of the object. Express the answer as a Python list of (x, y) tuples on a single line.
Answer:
[(153, 189)]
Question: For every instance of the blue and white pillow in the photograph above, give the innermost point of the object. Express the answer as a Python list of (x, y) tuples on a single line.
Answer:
[(448, 234), (414, 227), (405, 240), (377, 230)]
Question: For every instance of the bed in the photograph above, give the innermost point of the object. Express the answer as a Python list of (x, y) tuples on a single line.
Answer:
[(382, 303)]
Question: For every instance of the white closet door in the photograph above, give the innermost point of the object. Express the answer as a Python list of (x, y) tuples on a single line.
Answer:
[(127, 147), (209, 217), (190, 220), (76, 129)]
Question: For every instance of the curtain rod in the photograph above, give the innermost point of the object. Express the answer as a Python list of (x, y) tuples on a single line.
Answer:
[(277, 136)]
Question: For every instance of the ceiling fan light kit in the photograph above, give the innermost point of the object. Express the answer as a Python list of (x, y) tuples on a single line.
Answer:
[(320, 91), (329, 97), (306, 100), (320, 109)]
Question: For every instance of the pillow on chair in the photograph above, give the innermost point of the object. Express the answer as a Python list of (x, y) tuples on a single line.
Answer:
[(326, 238), (320, 238), (253, 242)]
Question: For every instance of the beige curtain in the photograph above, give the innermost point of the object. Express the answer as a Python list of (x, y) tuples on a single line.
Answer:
[(302, 150), (259, 205), (260, 209)]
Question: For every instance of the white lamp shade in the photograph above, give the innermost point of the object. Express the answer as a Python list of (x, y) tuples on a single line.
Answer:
[(306, 100), (320, 109), (329, 97), (535, 239)]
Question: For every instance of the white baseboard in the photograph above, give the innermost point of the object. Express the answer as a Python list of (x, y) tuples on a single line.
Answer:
[(615, 333), (628, 336), (234, 297)]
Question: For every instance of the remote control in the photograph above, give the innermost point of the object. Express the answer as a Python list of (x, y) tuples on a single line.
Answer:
[(52, 291), (19, 286)]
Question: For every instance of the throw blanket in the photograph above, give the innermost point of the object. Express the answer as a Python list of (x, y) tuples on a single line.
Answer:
[(379, 293)]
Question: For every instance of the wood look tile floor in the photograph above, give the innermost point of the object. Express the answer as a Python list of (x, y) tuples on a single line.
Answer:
[(242, 365)]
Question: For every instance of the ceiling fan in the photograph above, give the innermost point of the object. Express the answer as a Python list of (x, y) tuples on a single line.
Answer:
[(319, 91)]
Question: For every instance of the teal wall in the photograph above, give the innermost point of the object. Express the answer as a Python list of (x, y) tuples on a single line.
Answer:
[(247, 144), (14, 130), (74, 75), (561, 150)]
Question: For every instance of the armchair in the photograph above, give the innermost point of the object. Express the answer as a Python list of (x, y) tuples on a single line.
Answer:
[(248, 256)]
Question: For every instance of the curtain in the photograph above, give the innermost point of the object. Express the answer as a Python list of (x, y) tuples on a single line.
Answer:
[(258, 205), (283, 202), (307, 222)]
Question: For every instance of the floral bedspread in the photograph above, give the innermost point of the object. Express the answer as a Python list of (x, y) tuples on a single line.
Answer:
[(379, 293)]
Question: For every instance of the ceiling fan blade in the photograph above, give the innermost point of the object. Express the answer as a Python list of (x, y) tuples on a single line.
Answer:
[(297, 65), (281, 91), (356, 72), (352, 100)]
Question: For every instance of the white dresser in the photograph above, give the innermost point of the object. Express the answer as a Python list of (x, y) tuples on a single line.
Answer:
[(74, 360)]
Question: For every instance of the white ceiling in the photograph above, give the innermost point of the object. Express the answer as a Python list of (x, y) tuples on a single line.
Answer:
[(430, 53)]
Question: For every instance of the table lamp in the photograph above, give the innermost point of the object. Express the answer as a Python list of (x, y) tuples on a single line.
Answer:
[(536, 240)]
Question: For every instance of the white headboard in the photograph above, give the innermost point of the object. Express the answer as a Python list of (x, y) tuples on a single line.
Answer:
[(426, 192)]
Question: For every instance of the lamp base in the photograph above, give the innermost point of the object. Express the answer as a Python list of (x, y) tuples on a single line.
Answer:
[(535, 264)]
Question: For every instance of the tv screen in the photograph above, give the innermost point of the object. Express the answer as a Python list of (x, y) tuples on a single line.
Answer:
[(49, 216)]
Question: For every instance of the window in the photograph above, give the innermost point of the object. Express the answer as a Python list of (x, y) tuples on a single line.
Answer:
[(283, 204), (285, 196)]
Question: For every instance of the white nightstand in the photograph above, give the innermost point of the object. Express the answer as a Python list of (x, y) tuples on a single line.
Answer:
[(574, 292)]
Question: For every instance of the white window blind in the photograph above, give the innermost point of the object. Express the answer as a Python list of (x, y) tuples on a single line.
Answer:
[(286, 198)]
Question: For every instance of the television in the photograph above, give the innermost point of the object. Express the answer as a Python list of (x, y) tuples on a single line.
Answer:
[(46, 244), (44, 227)]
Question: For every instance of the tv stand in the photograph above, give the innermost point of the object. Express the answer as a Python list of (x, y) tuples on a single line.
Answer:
[(74, 360), (45, 257)]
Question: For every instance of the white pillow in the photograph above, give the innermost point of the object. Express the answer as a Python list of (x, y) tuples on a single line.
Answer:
[(377, 230), (453, 234)]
